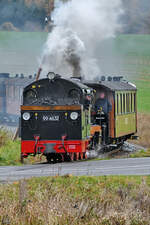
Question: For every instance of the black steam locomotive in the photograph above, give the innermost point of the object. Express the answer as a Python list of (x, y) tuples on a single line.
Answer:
[(58, 117)]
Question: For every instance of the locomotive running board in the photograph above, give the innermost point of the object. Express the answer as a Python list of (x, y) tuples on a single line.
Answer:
[(55, 108)]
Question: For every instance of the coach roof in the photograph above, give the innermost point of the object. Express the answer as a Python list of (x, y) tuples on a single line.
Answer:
[(114, 85)]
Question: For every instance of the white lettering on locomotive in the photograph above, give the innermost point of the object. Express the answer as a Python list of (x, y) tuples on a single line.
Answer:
[(72, 147), (50, 118)]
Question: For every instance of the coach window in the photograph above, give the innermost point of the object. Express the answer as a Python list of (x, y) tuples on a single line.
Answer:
[(124, 100), (134, 102), (131, 102), (117, 103), (127, 102), (121, 102)]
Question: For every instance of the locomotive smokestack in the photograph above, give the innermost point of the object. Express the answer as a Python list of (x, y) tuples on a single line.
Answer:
[(77, 72), (38, 74)]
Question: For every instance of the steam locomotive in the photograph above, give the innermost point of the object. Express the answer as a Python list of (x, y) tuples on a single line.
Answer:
[(58, 118)]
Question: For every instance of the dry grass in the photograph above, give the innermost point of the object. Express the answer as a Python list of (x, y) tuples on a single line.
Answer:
[(75, 201), (4, 136), (9, 150), (144, 130)]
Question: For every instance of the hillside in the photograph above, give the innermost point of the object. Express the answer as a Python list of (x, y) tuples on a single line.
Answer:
[(29, 15), (24, 15), (20, 51)]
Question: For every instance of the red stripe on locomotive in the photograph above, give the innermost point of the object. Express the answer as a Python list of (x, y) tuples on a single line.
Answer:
[(28, 147)]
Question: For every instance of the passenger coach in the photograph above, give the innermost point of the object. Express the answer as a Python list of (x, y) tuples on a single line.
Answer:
[(123, 116)]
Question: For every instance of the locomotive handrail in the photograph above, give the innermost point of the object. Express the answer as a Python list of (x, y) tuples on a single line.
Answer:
[(36, 143)]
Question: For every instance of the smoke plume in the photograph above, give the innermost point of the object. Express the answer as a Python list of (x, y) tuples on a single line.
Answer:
[(73, 47)]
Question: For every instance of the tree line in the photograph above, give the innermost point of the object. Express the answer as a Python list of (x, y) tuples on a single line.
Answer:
[(29, 15)]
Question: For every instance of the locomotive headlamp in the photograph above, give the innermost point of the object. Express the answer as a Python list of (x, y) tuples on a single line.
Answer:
[(88, 91), (51, 75), (74, 115), (26, 116)]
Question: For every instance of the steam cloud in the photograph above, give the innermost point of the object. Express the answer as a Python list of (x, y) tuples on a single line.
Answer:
[(72, 48)]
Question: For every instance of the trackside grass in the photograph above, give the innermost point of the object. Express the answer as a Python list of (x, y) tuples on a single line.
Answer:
[(9, 150), (115, 200), (10, 153), (140, 154)]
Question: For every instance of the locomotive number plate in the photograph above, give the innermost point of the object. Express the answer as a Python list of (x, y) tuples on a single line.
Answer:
[(46, 118)]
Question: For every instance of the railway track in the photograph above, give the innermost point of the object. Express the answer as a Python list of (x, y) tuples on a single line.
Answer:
[(124, 150), (130, 147)]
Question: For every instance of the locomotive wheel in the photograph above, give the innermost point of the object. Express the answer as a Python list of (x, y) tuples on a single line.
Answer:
[(66, 157), (77, 156), (48, 157), (63, 157), (81, 156), (59, 158), (21, 158), (51, 158), (84, 155), (71, 157)]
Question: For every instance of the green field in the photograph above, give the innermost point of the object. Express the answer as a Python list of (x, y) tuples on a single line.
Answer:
[(20, 52), (132, 59), (143, 95), (134, 45), (22, 41), (136, 49), (127, 55)]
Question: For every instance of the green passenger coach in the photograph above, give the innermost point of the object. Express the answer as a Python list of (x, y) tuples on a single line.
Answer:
[(123, 116), (125, 112)]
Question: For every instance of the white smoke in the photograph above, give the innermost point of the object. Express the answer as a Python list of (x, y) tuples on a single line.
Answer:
[(80, 27)]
